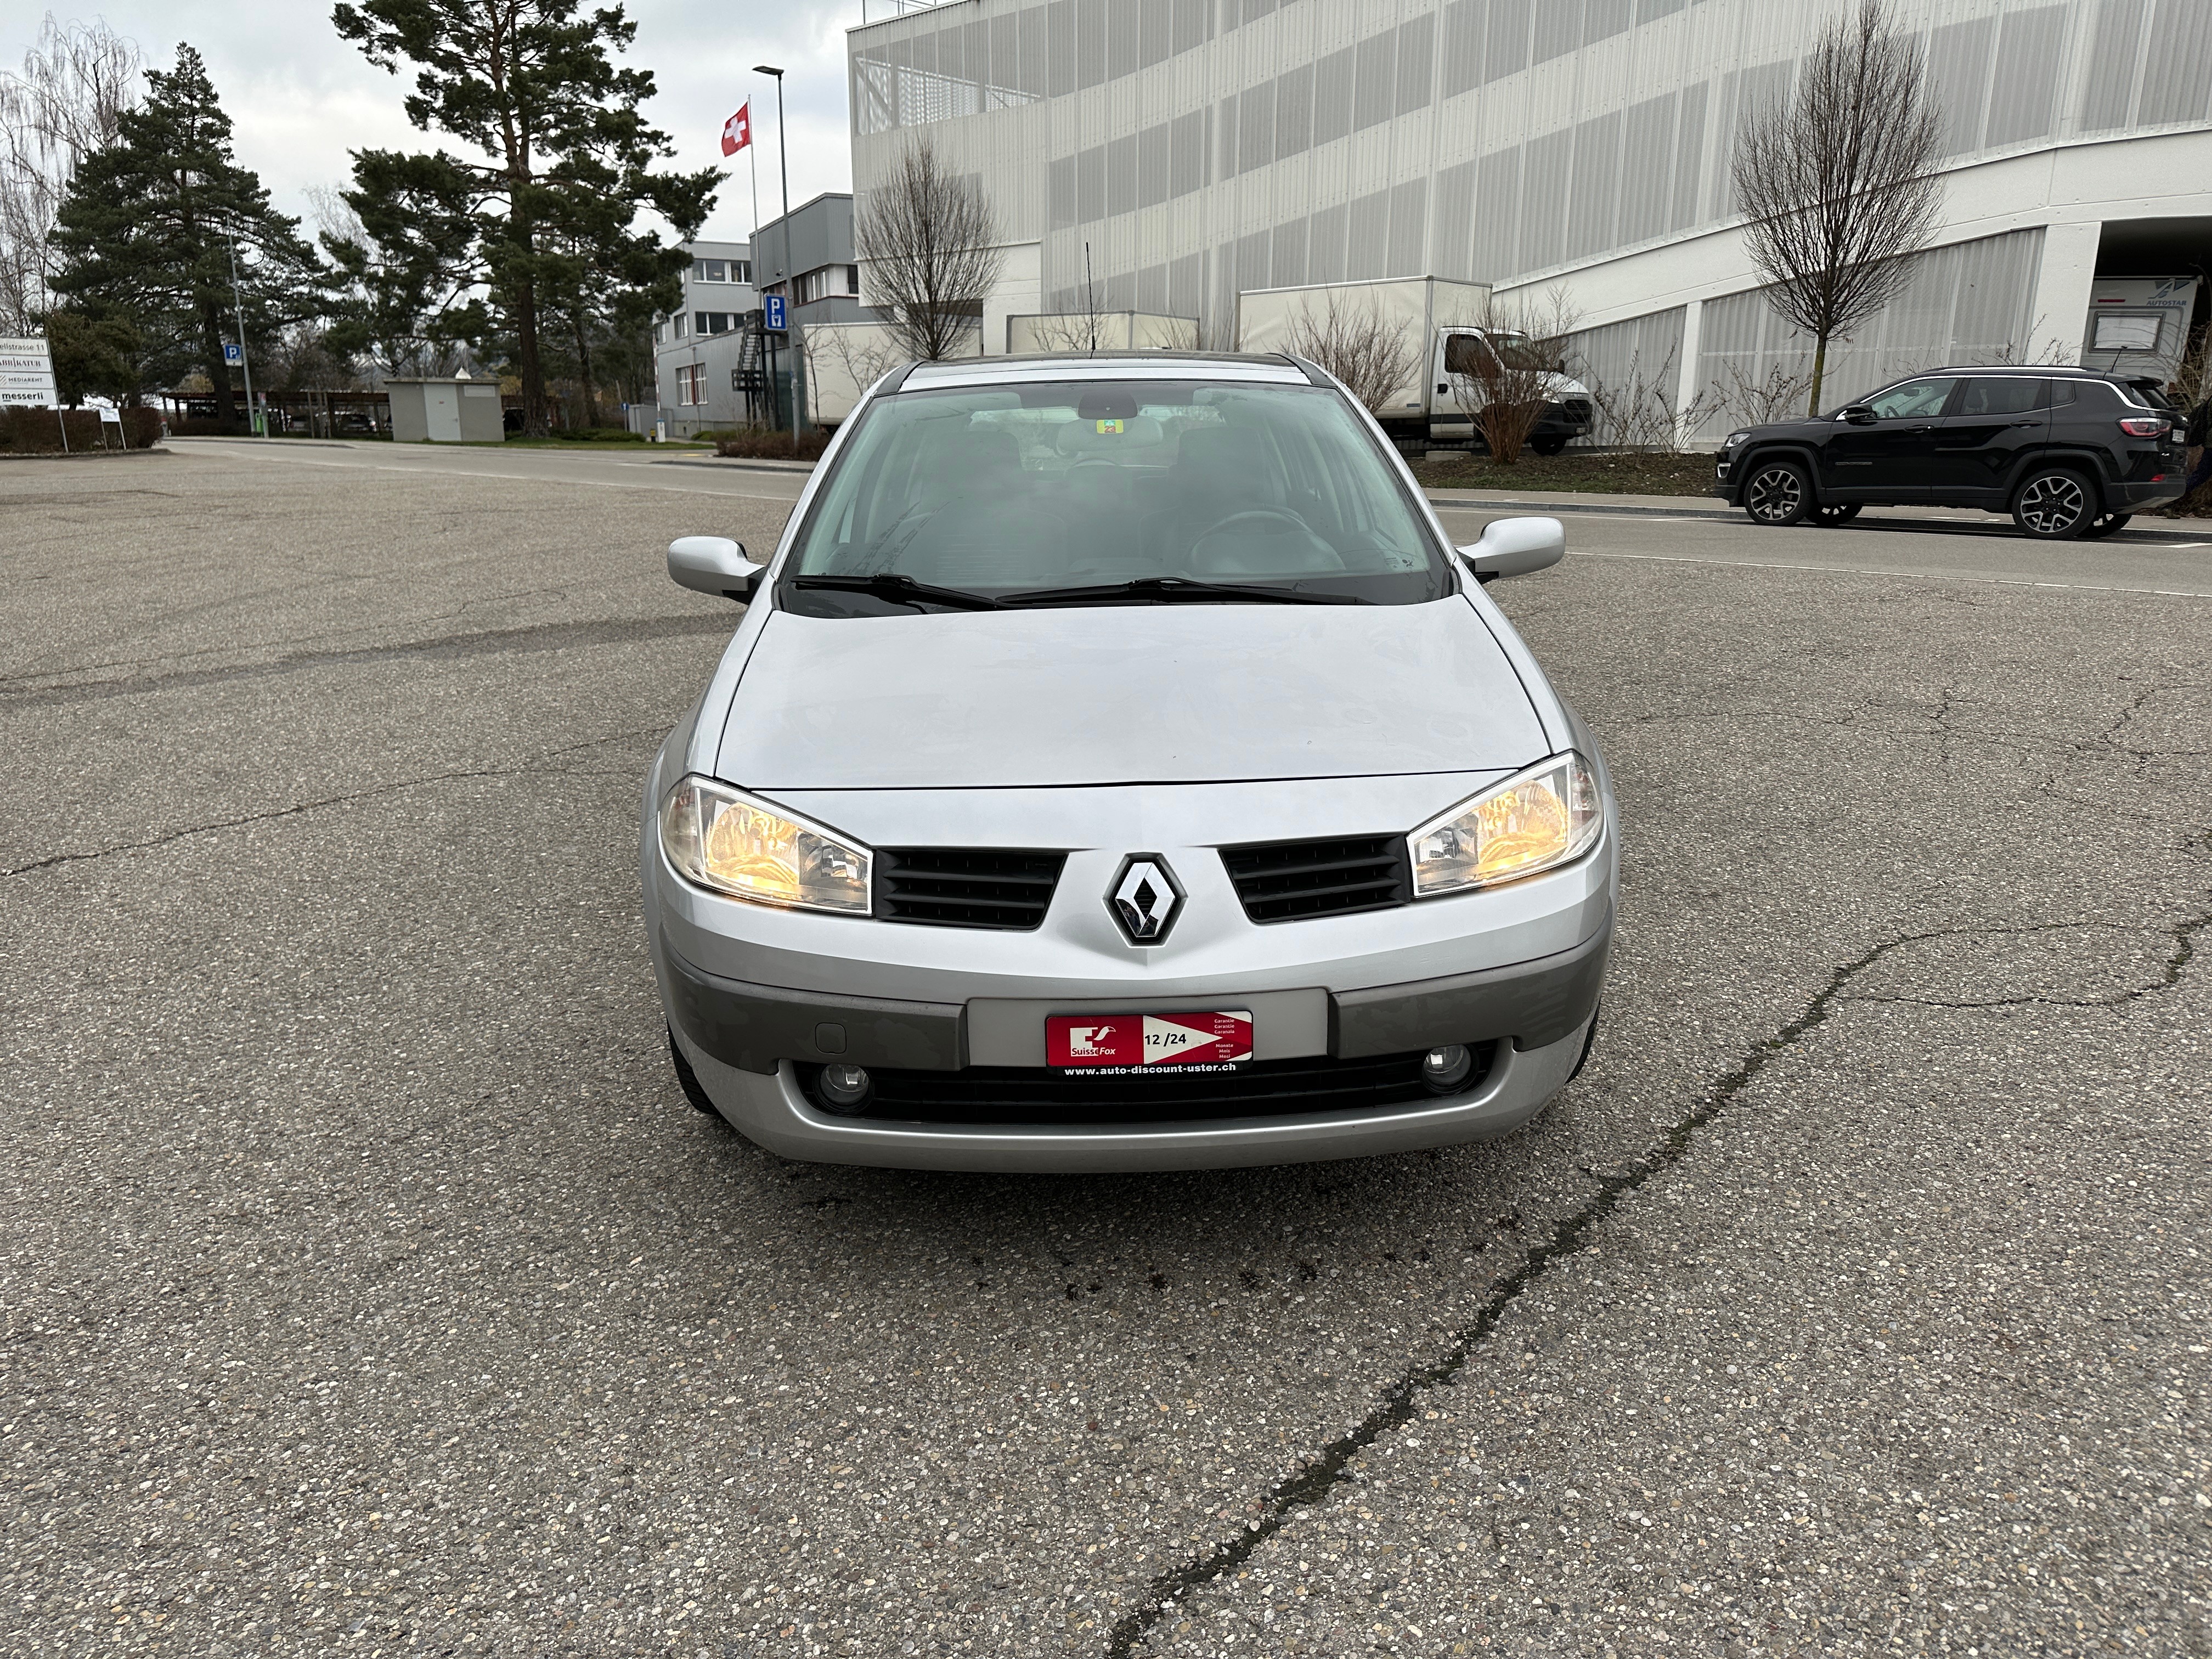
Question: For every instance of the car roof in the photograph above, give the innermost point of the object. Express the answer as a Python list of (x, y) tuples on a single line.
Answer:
[(1218, 366)]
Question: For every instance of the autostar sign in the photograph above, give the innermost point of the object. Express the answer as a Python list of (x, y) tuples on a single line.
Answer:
[(26, 375)]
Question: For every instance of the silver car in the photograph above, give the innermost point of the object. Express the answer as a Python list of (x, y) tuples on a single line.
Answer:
[(1117, 768)]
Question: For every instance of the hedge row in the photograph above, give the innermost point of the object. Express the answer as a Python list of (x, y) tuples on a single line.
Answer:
[(37, 432)]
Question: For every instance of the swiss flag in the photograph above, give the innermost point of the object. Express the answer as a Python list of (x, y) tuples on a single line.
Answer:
[(737, 131)]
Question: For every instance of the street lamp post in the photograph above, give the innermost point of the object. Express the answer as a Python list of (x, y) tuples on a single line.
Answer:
[(244, 368), (790, 277)]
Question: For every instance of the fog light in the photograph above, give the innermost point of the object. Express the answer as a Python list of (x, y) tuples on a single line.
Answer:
[(1446, 1068), (845, 1088)]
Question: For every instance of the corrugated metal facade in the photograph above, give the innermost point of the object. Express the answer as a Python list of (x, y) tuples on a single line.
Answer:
[(1185, 150)]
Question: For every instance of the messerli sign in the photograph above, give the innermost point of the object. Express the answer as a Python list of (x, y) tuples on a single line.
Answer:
[(26, 375)]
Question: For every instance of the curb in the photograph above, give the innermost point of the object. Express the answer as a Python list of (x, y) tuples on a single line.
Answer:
[(1625, 509), (1629, 510), (733, 464), (83, 454)]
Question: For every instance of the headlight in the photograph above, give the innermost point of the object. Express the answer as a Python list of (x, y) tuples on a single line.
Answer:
[(730, 843), (1547, 816), (1734, 439)]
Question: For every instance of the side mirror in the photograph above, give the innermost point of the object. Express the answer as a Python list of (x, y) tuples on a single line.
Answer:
[(1516, 547), (1858, 415), (712, 564)]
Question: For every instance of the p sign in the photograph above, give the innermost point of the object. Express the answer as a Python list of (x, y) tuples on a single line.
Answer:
[(232, 352), (771, 312)]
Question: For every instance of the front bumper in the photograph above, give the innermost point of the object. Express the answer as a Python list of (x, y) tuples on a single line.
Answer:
[(772, 1110), (757, 1028)]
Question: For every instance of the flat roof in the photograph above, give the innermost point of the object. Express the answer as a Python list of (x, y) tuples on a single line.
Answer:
[(1105, 366)]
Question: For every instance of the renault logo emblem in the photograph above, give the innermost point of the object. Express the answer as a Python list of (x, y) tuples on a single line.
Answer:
[(1145, 899)]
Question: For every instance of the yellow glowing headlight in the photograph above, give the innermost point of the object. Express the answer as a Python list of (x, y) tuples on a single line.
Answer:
[(1547, 816), (732, 844)]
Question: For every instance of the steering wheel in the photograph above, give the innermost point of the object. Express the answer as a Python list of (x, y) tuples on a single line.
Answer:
[(1280, 515)]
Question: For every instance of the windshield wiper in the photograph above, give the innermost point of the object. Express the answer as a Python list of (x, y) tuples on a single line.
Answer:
[(1170, 589), (889, 585)]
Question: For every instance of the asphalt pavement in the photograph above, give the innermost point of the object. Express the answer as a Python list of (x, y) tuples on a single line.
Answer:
[(367, 1286)]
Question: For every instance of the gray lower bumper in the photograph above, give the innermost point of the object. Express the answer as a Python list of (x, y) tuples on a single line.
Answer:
[(774, 1112), (753, 1028)]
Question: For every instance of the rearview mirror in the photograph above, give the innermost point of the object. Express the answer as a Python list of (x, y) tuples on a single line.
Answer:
[(1517, 547), (1858, 415), (712, 564)]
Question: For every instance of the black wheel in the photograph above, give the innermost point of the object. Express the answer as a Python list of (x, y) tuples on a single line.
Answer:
[(694, 1091), (1547, 445), (2054, 505), (1840, 513), (1589, 1042), (2105, 526), (1779, 493)]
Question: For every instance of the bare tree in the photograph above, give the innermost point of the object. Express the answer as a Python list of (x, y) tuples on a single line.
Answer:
[(1639, 411), (1374, 358), (75, 82), (1506, 376), (1838, 184), (930, 243), (1757, 401)]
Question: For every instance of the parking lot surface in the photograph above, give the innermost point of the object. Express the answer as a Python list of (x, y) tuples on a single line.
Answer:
[(367, 1284)]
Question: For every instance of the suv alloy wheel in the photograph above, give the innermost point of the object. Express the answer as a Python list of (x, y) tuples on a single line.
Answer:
[(1779, 493), (2054, 505)]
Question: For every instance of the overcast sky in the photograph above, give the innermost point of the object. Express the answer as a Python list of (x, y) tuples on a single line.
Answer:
[(299, 98)]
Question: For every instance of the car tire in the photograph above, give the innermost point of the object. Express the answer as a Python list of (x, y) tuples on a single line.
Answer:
[(1837, 513), (1547, 445), (2105, 526), (1779, 494), (2055, 504), (694, 1091)]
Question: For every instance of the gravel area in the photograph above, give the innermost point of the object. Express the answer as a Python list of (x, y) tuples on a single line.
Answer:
[(367, 1286)]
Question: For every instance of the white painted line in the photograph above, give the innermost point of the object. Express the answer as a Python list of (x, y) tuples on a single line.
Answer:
[(441, 471), (1923, 576)]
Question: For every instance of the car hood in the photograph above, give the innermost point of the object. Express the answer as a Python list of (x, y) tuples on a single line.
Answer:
[(1125, 694)]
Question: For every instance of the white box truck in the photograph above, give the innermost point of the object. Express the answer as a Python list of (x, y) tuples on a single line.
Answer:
[(1446, 323), (2139, 326)]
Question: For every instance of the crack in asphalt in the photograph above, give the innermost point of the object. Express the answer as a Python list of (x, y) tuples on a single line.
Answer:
[(1330, 1468), (536, 769), (544, 636)]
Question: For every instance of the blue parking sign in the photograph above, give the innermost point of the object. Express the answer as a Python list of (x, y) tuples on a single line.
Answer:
[(232, 353), (771, 312)]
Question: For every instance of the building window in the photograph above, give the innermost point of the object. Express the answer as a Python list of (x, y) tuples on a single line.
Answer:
[(690, 383), (714, 271), (680, 321), (741, 271), (852, 279)]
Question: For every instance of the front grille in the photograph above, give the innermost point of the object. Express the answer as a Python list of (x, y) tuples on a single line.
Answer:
[(966, 886), (1291, 880), (1041, 1095), (1577, 410)]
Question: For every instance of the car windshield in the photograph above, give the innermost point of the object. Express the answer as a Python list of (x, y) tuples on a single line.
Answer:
[(1125, 492)]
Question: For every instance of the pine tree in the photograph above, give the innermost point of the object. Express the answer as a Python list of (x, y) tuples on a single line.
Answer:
[(563, 162), (148, 231)]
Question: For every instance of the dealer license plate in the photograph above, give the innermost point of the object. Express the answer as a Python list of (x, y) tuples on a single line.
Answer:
[(1109, 1043)]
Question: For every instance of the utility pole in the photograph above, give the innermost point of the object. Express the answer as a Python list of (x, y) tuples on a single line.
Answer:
[(790, 277), (237, 307)]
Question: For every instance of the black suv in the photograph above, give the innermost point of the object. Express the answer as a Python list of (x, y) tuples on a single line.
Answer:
[(2066, 451)]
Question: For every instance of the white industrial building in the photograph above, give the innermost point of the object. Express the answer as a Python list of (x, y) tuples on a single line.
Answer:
[(1183, 151)]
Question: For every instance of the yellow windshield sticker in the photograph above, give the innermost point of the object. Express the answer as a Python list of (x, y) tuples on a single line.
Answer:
[(1110, 426)]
